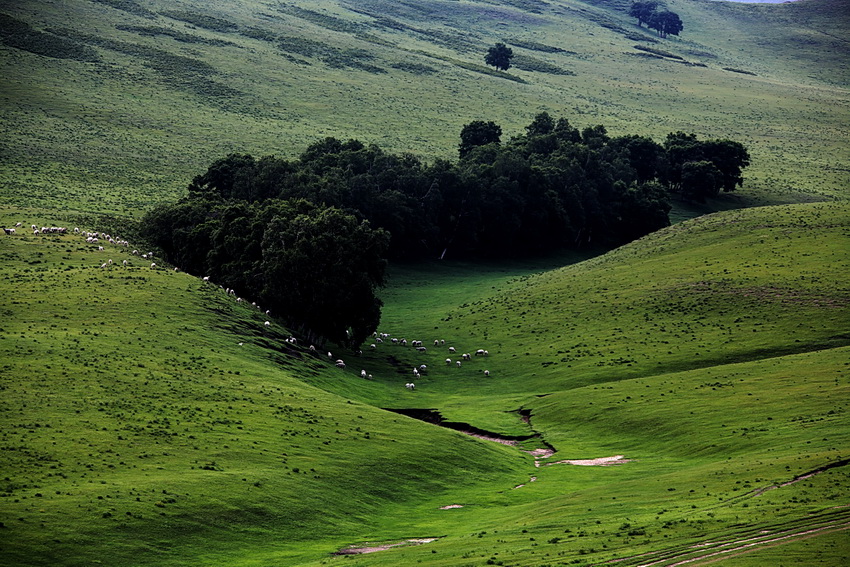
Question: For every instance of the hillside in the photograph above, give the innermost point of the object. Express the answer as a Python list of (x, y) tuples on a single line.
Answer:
[(114, 105), (148, 417), (679, 400)]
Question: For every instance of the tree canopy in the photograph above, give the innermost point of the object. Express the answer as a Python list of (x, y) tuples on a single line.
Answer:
[(499, 56), (314, 265), (308, 237), (656, 17)]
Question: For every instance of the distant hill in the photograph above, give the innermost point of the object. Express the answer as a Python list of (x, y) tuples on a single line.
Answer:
[(114, 105)]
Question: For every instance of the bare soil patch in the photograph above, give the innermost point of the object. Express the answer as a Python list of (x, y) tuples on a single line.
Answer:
[(598, 462), (373, 547)]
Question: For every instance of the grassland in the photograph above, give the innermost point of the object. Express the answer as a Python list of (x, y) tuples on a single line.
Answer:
[(170, 90), (147, 418), (137, 430)]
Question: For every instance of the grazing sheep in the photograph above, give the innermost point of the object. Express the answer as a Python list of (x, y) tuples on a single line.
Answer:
[(466, 356), (458, 363), (486, 373), (480, 352), (363, 374), (340, 364), (206, 278), (448, 361), (421, 349), (452, 350), (267, 324), (125, 263), (410, 386), (153, 265)]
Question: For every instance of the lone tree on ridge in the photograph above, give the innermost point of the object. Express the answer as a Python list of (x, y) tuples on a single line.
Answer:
[(499, 56)]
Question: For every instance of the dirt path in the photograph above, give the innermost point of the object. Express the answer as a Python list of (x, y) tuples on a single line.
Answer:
[(712, 551)]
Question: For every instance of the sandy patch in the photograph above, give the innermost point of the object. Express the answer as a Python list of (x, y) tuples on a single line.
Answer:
[(360, 549), (600, 462)]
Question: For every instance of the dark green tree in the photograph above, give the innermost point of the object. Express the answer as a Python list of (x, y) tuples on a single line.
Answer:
[(499, 56), (322, 267), (730, 158), (542, 124), (226, 178), (642, 11), (700, 180), (478, 133), (665, 23)]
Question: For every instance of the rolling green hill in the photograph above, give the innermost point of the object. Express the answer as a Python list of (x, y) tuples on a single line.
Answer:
[(113, 105), (150, 418), (680, 399)]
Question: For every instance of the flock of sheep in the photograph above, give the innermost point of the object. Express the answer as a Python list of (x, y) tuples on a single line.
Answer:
[(379, 338)]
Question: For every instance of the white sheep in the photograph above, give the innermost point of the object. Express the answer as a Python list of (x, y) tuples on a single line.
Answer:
[(153, 265), (458, 363), (363, 374), (448, 361), (452, 350), (486, 373), (267, 324)]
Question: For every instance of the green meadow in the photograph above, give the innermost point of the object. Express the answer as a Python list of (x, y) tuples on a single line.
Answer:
[(682, 399)]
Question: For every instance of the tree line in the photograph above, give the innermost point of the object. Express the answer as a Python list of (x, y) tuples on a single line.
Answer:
[(308, 237)]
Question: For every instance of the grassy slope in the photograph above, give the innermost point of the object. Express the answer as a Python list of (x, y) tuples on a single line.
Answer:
[(745, 393), (677, 350), (160, 123), (111, 421), (137, 430)]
